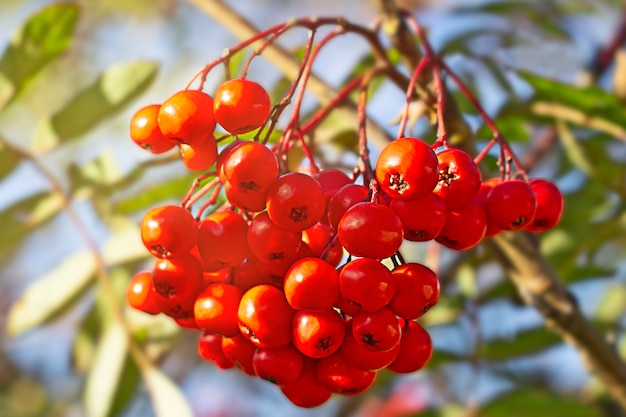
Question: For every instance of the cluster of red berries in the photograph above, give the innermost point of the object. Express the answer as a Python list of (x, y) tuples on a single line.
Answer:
[(262, 277)]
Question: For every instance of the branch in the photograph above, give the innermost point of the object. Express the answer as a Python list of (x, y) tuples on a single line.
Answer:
[(534, 279)]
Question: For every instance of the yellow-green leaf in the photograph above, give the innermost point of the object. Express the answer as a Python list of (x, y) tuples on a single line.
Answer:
[(52, 293)]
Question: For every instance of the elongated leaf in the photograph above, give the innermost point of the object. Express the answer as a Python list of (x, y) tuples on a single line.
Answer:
[(537, 403), (51, 293), (591, 101), (43, 37), (113, 89), (8, 160), (172, 189), (105, 374), (167, 399), (24, 216), (523, 343)]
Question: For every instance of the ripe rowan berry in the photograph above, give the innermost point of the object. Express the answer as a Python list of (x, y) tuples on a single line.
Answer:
[(241, 105), (145, 131), (187, 117)]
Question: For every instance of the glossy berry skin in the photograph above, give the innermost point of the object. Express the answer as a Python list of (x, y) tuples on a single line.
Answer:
[(321, 238), (168, 231), (423, 218), (336, 374), (370, 230), (295, 201), (342, 200), (465, 227), (366, 360), (187, 117), (318, 334), (265, 317), (178, 277), (331, 180), (140, 293), (416, 349), (407, 168), (248, 170), (481, 197), (366, 283), (241, 105), (511, 205), (311, 284), (210, 349), (270, 243), (222, 240), (199, 156), (145, 131), (417, 290), (459, 178), (215, 309), (378, 331), (279, 366), (239, 350), (306, 391), (549, 205)]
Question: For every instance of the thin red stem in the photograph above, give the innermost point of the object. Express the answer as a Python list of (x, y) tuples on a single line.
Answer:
[(409, 95), (194, 186)]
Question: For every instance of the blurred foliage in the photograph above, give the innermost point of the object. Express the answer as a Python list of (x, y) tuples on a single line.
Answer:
[(587, 249)]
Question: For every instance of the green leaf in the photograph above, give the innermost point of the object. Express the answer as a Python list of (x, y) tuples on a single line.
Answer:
[(52, 293), (148, 196), (611, 308), (167, 399), (537, 403), (592, 101), (8, 160), (22, 217), (113, 89), (43, 37), (525, 342), (105, 375)]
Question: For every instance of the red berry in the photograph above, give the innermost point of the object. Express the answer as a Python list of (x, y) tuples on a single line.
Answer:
[(210, 348), (321, 238), (417, 290), (168, 231), (312, 284), (366, 283), (465, 227), (265, 317), (200, 156), (241, 105), (215, 309), (336, 374), (222, 240), (187, 117), (178, 277), (280, 366), (422, 218), (295, 201), (366, 360), (140, 293), (481, 197), (407, 168), (343, 199), (378, 331), (239, 350), (459, 178), (145, 131), (270, 243), (511, 205), (306, 391), (318, 334), (370, 230), (416, 349), (549, 205)]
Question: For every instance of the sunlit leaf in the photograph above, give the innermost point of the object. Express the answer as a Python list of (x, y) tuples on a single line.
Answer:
[(537, 403), (167, 399), (172, 189), (8, 160), (106, 371), (52, 292), (525, 342), (113, 89), (22, 217), (42, 38), (613, 303)]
